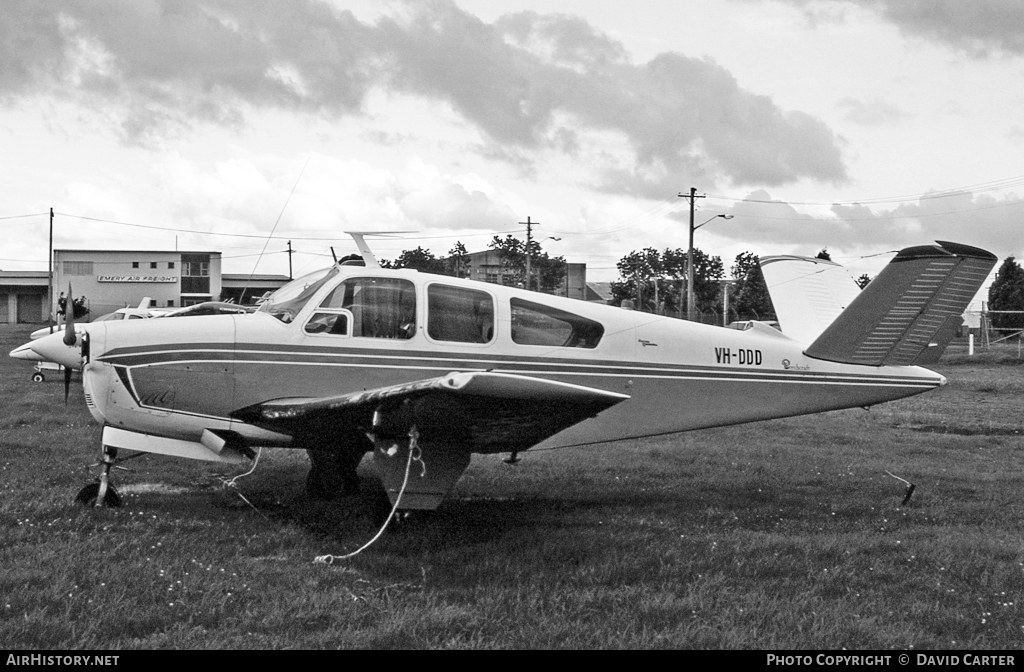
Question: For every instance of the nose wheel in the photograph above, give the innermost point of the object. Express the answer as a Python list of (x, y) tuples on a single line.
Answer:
[(102, 492)]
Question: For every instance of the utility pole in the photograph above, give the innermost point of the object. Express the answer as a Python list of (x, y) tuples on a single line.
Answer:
[(529, 240), (689, 256), (290, 259), (50, 290)]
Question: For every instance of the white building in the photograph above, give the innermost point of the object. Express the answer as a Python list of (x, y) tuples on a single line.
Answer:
[(112, 279)]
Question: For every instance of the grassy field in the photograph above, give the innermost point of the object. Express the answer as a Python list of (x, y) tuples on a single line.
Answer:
[(777, 535)]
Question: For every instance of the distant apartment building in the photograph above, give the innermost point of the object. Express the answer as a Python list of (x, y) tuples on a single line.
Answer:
[(486, 266)]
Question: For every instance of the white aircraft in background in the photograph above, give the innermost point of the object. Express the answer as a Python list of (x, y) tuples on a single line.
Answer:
[(427, 369), (25, 352)]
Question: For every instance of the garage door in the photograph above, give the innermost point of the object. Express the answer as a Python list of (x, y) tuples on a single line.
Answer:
[(30, 308)]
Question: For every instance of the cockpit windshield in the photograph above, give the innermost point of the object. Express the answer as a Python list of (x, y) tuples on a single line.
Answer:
[(285, 303)]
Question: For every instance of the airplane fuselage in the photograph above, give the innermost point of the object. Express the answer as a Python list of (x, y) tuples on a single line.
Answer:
[(178, 378)]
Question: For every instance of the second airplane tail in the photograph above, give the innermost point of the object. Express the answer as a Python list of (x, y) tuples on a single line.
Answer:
[(909, 313)]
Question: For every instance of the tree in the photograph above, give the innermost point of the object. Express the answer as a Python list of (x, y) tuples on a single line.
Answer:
[(457, 261), (823, 254), (751, 296), (863, 280), (419, 259), (636, 270), (655, 281), (546, 272), (1007, 293), (79, 308)]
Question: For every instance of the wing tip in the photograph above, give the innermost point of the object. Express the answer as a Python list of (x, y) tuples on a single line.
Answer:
[(943, 248)]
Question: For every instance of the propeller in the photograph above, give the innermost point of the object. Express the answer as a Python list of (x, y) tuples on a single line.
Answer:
[(69, 320), (69, 339)]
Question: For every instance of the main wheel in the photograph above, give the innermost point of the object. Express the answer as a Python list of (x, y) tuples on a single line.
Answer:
[(87, 496), (38, 377)]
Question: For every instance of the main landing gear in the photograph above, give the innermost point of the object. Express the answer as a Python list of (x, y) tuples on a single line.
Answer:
[(102, 492)]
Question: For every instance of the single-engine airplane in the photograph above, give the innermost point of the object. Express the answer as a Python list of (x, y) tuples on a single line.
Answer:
[(425, 370)]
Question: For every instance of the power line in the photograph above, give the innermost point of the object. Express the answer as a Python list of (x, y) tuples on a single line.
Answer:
[(261, 236), (34, 214)]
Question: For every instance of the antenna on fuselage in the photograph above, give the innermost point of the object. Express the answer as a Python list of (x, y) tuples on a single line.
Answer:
[(364, 249)]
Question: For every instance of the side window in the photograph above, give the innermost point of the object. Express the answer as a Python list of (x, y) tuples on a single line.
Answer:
[(379, 307), (537, 324), (328, 321), (459, 315)]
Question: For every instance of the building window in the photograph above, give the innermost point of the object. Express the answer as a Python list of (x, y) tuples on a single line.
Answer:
[(170, 302), (170, 264), (78, 268), (195, 274), (135, 264), (195, 269), (152, 264)]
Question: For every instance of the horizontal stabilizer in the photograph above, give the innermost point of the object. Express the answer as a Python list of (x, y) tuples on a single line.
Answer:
[(911, 311), (808, 293)]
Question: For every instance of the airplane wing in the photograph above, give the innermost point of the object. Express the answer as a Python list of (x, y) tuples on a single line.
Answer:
[(911, 311), (482, 412)]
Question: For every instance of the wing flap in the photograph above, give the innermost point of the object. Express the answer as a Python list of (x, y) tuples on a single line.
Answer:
[(910, 312), (479, 411)]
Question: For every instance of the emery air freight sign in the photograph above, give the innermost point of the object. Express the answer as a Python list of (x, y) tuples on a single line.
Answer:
[(136, 278)]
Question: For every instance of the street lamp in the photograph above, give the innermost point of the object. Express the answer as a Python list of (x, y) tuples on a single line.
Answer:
[(689, 266)]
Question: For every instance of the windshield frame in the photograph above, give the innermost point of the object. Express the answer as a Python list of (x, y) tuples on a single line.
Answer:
[(286, 303)]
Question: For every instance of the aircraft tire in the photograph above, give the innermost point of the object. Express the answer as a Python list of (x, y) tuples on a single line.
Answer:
[(38, 377), (87, 496), (332, 473)]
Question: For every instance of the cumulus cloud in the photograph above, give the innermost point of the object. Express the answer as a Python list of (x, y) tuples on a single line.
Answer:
[(528, 83), (980, 28), (979, 219), (874, 113)]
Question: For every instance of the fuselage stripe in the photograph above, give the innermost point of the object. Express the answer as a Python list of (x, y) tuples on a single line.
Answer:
[(519, 365)]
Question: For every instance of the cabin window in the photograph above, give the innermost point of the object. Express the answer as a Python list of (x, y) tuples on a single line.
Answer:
[(333, 322), (459, 315), (537, 324), (380, 307)]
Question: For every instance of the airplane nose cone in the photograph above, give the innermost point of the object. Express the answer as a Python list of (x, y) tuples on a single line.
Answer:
[(26, 352), (52, 349)]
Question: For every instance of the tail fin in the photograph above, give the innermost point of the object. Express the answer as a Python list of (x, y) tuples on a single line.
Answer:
[(911, 311), (808, 294)]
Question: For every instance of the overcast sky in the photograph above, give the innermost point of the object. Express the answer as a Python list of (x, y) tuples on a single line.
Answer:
[(860, 126)]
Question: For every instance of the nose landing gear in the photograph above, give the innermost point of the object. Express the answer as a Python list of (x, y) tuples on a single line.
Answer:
[(102, 492)]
